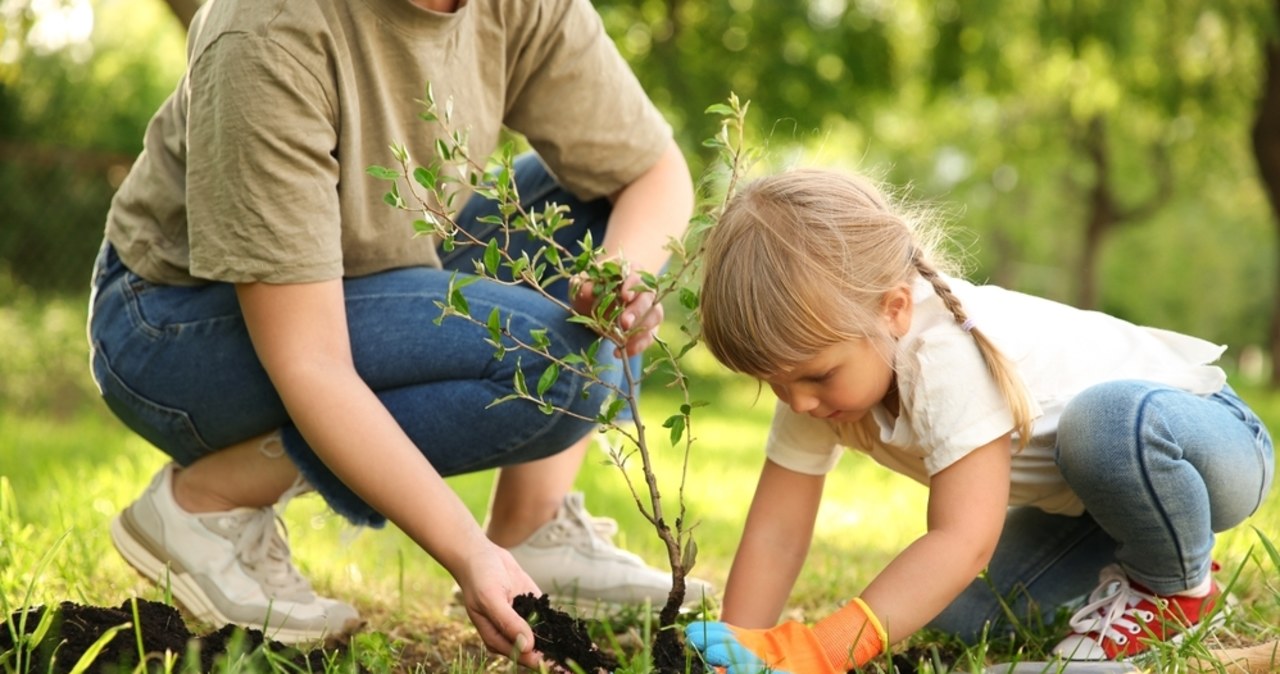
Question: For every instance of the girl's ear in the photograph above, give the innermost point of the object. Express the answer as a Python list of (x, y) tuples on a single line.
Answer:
[(897, 305)]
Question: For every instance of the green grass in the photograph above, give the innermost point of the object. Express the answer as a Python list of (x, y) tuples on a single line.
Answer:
[(66, 467)]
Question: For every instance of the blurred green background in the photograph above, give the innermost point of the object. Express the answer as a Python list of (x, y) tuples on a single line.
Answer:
[(1106, 154), (1096, 152)]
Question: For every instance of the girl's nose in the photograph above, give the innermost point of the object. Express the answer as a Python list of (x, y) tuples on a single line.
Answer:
[(801, 403)]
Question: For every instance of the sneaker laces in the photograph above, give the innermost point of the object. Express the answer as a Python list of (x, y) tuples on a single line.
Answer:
[(264, 552), (1109, 611), (573, 518)]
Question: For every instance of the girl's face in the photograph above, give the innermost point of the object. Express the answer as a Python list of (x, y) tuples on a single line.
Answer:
[(840, 383)]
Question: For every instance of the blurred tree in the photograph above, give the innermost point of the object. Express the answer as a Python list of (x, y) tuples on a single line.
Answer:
[(801, 65), (78, 82), (1266, 150), (1122, 82), (1061, 125)]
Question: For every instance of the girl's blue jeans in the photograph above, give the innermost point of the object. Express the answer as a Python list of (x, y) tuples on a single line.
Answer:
[(1159, 471), (177, 366)]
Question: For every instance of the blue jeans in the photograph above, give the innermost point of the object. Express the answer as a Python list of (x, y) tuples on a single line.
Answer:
[(176, 365), (1159, 471)]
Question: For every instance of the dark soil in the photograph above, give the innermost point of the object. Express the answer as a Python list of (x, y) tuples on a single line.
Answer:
[(75, 629), (565, 639), (561, 637)]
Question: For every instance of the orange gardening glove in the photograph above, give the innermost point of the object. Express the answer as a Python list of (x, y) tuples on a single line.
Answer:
[(844, 640)]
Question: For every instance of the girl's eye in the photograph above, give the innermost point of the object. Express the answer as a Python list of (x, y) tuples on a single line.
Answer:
[(822, 376)]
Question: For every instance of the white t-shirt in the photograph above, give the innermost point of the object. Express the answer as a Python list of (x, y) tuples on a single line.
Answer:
[(950, 405)]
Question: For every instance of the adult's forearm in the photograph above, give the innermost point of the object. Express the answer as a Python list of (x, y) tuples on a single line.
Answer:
[(651, 211), (357, 438)]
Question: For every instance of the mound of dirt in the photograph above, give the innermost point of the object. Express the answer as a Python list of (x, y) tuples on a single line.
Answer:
[(565, 639), (75, 628)]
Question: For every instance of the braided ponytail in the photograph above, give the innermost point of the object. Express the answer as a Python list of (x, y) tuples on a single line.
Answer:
[(1006, 376)]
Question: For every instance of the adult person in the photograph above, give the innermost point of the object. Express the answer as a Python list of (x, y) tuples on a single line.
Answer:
[(263, 318)]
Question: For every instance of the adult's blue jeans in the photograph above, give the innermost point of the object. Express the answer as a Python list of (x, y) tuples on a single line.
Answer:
[(177, 366), (1159, 470)]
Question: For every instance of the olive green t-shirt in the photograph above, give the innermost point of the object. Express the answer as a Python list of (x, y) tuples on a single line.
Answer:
[(254, 169)]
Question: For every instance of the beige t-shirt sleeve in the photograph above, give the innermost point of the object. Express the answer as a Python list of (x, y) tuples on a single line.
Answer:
[(578, 103), (262, 178)]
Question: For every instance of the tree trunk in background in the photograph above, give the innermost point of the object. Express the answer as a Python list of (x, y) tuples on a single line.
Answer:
[(1266, 152), (184, 10), (1102, 214)]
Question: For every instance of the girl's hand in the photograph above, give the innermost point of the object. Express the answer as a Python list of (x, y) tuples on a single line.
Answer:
[(847, 639), (490, 580), (640, 317)]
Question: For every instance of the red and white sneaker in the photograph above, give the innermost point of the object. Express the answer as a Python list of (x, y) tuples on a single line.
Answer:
[(1122, 618)]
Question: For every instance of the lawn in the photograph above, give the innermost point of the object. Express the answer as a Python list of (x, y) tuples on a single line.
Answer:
[(66, 467)]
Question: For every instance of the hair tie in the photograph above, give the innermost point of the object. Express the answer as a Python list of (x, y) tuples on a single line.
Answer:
[(967, 325)]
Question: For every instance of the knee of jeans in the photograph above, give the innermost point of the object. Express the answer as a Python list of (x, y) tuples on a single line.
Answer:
[(1092, 419)]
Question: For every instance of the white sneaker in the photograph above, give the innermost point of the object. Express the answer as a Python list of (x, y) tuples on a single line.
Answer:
[(573, 559), (225, 567)]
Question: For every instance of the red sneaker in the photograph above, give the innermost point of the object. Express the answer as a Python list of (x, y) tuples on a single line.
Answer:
[(1122, 618)]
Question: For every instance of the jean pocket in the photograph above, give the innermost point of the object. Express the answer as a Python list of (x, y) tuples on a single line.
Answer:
[(168, 428)]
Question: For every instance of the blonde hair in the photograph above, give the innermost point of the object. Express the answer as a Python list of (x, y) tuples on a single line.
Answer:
[(802, 260)]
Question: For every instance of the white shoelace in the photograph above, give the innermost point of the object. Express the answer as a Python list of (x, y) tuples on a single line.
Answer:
[(1110, 608), (264, 553), (581, 528)]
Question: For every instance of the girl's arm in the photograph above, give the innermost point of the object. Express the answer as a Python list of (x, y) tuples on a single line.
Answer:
[(774, 544), (300, 334), (967, 504)]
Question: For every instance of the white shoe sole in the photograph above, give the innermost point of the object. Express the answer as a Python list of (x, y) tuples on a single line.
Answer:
[(186, 592)]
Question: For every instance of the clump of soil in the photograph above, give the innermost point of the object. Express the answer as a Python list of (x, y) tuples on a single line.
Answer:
[(560, 636), (76, 628), (565, 639)]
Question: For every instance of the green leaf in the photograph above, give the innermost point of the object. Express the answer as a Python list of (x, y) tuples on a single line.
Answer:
[(676, 423), (382, 172), (521, 387), (548, 378), (540, 339), (688, 298), (492, 257), (719, 109), (615, 408), (459, 302), (426, 178), (495, 325), (690, 556)]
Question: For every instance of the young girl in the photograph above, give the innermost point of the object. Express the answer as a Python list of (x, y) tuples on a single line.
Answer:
[(1063, 449)]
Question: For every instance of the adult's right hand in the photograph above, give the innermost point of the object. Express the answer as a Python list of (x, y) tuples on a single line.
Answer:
[(490, 580)]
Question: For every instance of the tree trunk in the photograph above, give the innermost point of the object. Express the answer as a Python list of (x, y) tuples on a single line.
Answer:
[(1102, 216), (1266, 152)]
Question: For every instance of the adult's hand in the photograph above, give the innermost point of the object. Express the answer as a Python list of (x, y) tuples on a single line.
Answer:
[(640, 317), (490, 580)]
